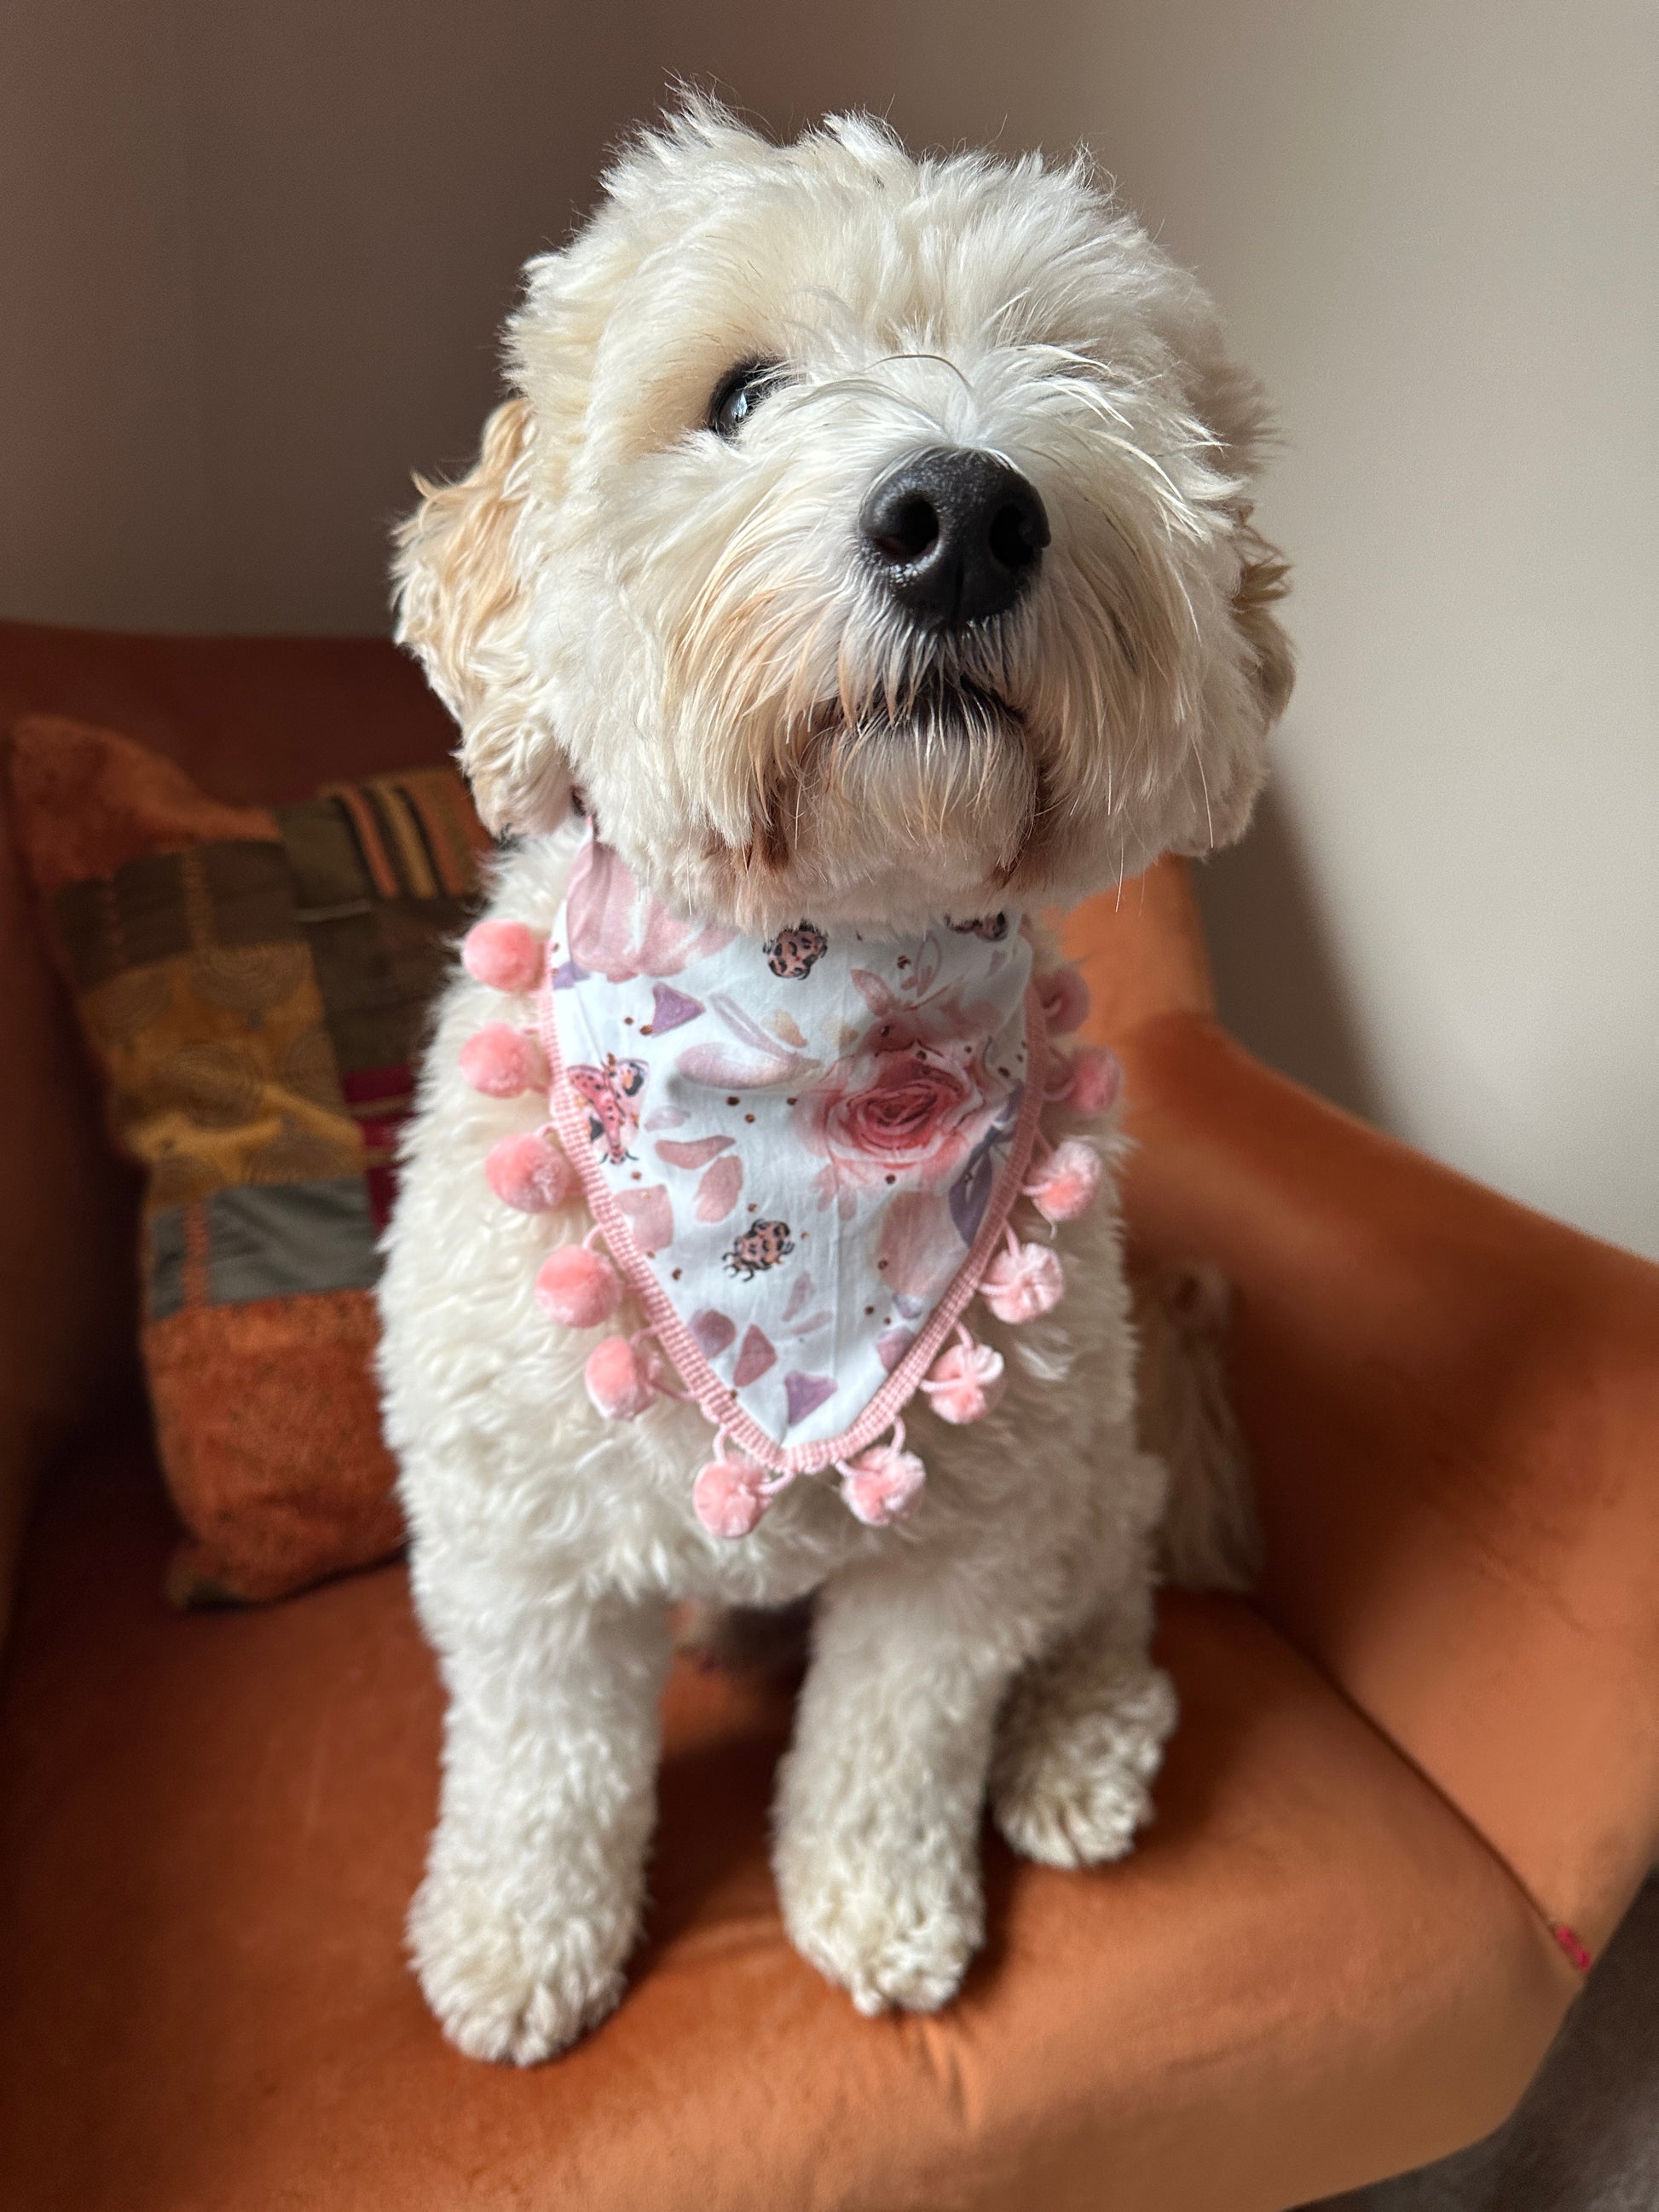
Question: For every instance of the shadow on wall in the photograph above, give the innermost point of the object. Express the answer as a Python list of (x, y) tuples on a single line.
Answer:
[(1279, 979)]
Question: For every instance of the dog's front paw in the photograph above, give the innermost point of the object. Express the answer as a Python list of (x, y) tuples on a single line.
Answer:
[(505, 1989), (1072, 1781), (891, 1934)]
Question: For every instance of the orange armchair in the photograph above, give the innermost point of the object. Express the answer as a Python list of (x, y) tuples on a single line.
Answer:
[(1414, 1784)]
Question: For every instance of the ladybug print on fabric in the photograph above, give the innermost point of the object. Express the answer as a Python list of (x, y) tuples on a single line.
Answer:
[(993, 928), (609, 1093), (794, 953), (763, 1244)]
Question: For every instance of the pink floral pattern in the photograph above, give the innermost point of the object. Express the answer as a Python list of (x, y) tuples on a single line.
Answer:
[(841, 1129), (615, 929)]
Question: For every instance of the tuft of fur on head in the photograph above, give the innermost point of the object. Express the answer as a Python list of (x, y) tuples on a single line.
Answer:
[(687, 627)]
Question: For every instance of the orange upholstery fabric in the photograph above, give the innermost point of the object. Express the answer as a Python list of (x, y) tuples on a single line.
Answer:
[(1310, 1971), (1453, 1409)]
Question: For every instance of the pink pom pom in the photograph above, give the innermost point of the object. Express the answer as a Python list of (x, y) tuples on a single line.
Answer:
[(964, 1382), (527, 1173), (1023, 1281), (882, 1485), (620, 1383), (1097, 1078), (503, 1062), (578, 1288), (1067, 1183), (1065, 1000), (506, 955), (726, 1497)]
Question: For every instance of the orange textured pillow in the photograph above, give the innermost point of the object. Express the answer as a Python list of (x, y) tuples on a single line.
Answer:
[(252, 983)]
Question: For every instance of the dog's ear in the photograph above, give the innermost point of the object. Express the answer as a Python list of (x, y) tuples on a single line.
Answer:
[(462, 568), (1245, 704), (1231, 403), (1264, 578)]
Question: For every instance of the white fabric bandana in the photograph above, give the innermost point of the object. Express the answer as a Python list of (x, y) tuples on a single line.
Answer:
[(801, 1153)]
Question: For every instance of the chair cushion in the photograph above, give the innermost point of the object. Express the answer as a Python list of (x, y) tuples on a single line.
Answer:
[(252, 983), (1310, 1972), (256, 721)]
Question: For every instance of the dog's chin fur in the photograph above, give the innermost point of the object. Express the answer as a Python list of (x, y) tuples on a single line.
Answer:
[(681, 630), (888, 821)]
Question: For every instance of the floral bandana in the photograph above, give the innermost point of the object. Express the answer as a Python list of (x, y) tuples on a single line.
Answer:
[(801, 1155), (795, 1150)]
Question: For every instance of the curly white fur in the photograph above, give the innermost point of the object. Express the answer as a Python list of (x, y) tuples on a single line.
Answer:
[(679, 625)]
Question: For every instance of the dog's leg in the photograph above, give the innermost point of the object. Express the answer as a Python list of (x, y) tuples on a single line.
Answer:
[(1082, 1735), (877, 1850), (531, 1903)]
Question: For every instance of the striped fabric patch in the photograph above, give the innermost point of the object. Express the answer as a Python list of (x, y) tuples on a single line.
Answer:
[(166, 904), (417, 836), (382, 876)]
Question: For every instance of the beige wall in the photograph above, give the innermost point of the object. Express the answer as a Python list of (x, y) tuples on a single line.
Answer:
[(254, 259)]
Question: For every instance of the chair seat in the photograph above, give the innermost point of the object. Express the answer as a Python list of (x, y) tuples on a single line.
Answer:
[(1310, 1972)]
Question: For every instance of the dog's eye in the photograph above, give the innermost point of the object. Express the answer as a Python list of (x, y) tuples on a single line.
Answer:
[(737, 394)]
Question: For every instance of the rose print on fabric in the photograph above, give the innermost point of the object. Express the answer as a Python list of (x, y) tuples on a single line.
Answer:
[(609, 1093), (617, 929), (916, 1113)]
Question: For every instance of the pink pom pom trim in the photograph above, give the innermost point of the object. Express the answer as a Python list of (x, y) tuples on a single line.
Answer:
[(1097, 1079), (578, 1288), (506, 955), (1067, 1183), (965, 1381), (1065, 1000), (883, 1484), (526, 1172), (620, 1381), (1023, 1282), (503, 1062), (729, 1497)]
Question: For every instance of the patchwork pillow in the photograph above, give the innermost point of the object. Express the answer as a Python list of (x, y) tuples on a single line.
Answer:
[(252, 983)]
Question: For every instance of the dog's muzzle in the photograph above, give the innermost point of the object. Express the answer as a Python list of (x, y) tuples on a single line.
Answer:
[(956, 535)]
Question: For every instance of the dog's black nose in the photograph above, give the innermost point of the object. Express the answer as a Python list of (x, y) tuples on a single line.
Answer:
[(956, 533)]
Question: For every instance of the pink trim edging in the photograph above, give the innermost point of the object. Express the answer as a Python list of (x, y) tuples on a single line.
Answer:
[(719, 1407), (1572, 1945)]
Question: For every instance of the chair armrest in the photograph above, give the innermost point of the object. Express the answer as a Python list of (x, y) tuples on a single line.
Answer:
[(1452, 1406)]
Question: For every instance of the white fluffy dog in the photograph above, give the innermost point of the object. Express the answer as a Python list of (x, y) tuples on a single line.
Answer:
[(867, 539)]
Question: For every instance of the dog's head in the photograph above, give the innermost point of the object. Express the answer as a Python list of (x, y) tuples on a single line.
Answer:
[(866, 536)]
